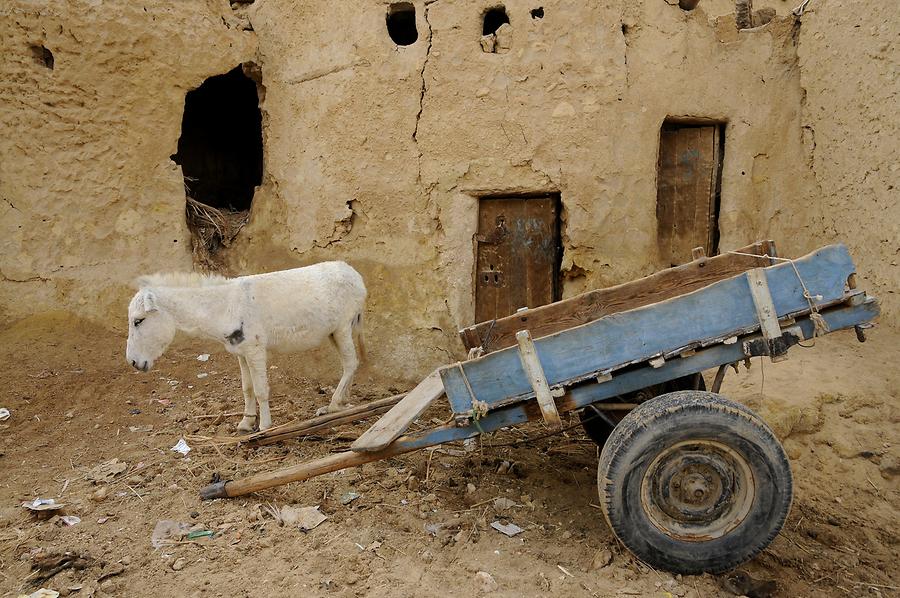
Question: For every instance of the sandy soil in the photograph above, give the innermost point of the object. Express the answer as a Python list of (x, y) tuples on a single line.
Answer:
[(76, 405)]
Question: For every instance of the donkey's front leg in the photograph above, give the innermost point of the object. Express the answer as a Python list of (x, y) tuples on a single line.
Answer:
[(256, 363), (249, 422)]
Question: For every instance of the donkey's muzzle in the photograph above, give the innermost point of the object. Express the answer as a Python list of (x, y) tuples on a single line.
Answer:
[(143, 367)]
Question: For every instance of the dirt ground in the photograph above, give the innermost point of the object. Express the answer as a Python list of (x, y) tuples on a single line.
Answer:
[(75, 405)]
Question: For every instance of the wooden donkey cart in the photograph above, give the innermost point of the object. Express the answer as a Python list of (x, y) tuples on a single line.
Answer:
[(688, 480)]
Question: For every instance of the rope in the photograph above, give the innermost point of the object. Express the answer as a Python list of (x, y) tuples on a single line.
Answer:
[(487, 335), (801, 8), (479, 408), (820, 326)]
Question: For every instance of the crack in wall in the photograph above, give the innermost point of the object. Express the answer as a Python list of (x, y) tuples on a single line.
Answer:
[(319, 73), (11, 204), (6, 278), (423, 90)]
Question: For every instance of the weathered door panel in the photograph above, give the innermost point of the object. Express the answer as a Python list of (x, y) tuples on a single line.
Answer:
[(687, 190), (517, 255)]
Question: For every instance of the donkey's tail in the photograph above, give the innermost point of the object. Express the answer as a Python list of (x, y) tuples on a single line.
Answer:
[(359, 341)]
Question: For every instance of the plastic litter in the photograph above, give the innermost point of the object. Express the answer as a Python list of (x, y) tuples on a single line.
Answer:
[(42, 593), (70, 520), (167, 532), (349, 497), (509, 530), (182, 447), (4, 414), (203, 357), (205, 533), (43, 504), (306, 518), (106, 470)]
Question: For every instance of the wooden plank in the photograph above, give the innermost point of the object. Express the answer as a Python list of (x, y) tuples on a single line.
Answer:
[(329, 419), (321, 423), (589, 306), (532, 366), (581, 396), (765, 310), (646, 332), (516, 256), (666, 177), (395, 422), (687, 183)]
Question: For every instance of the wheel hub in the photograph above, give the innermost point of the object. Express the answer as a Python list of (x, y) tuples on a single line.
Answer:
[(697, 490)]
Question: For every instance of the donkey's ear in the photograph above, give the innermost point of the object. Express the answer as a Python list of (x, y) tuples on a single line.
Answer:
[(149, 299)]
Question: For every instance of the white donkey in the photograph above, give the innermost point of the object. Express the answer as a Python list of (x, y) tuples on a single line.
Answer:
[(286, 311)]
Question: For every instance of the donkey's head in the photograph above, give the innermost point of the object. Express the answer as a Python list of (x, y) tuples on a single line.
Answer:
[(150, 330)]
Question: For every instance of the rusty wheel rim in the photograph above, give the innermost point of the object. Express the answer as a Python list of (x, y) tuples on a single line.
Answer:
[(697, 490)]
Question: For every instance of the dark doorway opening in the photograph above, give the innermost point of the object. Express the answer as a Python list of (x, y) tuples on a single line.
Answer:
[(220, 148), (493, 19), (220, 152), (518, 254), (689, 187), (401, 23)]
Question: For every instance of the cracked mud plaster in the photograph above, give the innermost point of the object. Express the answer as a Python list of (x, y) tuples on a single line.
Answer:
[(580, 95)]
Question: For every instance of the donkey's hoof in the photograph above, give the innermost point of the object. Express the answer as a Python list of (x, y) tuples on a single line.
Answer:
[(322, 411), (247, 424)]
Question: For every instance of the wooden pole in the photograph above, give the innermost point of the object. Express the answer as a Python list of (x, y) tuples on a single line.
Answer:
[(298, 473), (322, 422)]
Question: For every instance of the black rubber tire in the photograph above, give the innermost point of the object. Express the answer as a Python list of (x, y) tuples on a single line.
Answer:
[(688, 416), (598, 429)]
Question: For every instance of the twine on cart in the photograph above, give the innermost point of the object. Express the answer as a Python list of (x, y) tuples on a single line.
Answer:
[(820, 326)]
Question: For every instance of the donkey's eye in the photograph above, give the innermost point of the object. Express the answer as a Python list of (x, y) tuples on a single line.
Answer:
[(138, 322)]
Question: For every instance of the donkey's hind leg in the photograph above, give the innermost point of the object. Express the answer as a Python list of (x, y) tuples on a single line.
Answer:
[(343, 341), (249, 422)]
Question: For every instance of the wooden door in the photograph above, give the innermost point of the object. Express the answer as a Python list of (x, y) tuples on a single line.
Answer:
[(687, 190), (517, 255)]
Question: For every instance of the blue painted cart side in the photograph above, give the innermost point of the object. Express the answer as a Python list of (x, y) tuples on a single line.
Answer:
[(698, 318), (841, 317)]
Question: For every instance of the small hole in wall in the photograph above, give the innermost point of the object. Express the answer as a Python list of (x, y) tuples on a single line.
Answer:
[(537, 13), (401, 23), (688, 4), (493, 19), (42, 56)]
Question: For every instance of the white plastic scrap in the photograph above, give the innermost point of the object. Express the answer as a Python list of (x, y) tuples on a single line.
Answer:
[(510, 530), (70, 520), (306, 518), (182, 447), (42, 504), (42, 593), (203, 357), (4, 414)]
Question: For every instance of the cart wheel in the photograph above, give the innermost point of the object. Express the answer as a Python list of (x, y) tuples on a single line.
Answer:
[(691, 482), (598, 426)]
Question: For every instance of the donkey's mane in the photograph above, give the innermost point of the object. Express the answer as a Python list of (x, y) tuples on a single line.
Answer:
[(180, 279)]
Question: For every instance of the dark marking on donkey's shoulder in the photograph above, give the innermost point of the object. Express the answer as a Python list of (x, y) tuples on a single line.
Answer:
[(236, 337)]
